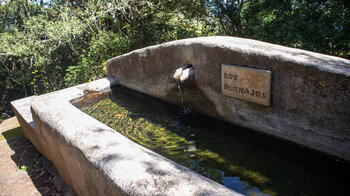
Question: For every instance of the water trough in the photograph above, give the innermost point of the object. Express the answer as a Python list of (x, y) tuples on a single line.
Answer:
[(296, 95)]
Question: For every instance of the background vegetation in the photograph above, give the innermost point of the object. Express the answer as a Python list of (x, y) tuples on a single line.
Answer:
[(46, 45)]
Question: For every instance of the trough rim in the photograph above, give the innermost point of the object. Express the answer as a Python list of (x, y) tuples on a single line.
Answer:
[(322, 62)]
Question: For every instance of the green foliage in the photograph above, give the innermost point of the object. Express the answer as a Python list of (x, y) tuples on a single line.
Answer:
[(45, 46), (52, 45), (321, 26), (91, 66), (24, 168), (35, 49), (317, 25)]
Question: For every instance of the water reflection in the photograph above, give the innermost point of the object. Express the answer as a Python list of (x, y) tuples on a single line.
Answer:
[(244, 161)]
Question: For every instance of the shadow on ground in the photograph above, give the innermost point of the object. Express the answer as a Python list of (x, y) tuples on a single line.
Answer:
[(28, 159), (34, 173)]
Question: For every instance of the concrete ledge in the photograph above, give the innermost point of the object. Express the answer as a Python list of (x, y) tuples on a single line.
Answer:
[(310, 96), (96, 160)]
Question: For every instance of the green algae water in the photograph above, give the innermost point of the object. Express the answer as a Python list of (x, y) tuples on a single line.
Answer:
[(247, 162)]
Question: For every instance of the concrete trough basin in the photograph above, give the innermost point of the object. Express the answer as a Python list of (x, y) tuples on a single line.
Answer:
[(292, 94), (94, 159)]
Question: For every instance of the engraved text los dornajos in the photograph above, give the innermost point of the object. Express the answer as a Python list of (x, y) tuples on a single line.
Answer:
[(246, 83)]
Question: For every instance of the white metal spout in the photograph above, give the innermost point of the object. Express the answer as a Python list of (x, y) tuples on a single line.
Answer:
[(183, 73)]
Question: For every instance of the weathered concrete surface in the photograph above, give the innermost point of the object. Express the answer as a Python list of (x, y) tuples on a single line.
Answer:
[(96, 160), (310, 103)]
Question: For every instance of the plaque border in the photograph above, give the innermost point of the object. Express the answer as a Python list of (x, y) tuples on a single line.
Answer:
[(269, 72)]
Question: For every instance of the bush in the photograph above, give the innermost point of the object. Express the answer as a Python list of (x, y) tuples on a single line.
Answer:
[(91, 65)]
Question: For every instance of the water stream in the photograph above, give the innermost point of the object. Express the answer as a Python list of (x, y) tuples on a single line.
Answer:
[(240, 159)]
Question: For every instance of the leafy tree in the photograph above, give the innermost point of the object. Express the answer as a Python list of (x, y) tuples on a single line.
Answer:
[(230, 16), (49, 45), (317, 25), (52, 45)]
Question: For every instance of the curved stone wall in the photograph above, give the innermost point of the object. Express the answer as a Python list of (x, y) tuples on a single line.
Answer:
[(308, 93)]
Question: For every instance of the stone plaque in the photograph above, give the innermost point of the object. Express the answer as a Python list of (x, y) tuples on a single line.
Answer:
[(245, 83)]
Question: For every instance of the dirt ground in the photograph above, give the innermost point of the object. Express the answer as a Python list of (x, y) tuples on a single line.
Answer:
[(23, 170)]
